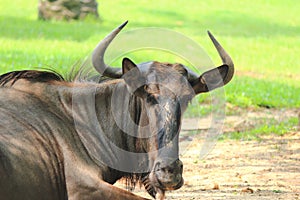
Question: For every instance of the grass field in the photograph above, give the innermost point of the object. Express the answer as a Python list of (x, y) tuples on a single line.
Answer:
[(263, 38)]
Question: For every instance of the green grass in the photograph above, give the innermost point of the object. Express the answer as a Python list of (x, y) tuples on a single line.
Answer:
[(247, 91), (263, 38), (267, 128)]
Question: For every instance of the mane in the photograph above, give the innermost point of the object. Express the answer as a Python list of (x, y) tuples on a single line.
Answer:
[(81, 71), (31, 75)]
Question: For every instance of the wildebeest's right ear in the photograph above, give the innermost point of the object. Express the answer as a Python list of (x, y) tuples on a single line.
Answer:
[(127, 65), (133, 77)]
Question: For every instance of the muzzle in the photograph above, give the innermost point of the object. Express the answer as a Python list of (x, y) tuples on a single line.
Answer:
[(167, 175)]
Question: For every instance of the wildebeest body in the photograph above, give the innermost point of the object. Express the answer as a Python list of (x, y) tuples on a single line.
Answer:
[(31, 158), (42, 154)]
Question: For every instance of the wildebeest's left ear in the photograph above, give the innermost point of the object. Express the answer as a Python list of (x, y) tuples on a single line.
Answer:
[(216, 77), (211, 79)]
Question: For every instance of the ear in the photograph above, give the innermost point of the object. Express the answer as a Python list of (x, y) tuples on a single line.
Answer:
[(133, 78), (211, 79), (127, 65)]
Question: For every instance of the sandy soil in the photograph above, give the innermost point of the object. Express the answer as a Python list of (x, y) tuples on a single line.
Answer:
[(265, 169)]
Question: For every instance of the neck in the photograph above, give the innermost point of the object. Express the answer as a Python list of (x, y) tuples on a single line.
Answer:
[(100, 118), (106, 117)]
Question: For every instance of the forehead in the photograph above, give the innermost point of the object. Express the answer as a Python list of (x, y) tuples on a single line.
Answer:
[(172, 77), (157, 70)]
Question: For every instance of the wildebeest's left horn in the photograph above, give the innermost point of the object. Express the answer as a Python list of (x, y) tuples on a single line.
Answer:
[(225, 58), (216, 77), (98, 55)]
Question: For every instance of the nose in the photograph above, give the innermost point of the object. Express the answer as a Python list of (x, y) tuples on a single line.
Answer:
[(169, 175), (175, 166)]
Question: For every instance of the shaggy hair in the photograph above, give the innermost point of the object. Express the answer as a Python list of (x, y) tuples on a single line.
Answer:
[(81, 71)]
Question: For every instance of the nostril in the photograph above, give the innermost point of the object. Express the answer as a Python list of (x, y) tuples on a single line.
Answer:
[(180, 164), (171, 170), (178, 177)]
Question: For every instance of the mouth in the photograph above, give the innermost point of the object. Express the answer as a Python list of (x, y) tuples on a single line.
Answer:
[(166, 187), (154, 186)]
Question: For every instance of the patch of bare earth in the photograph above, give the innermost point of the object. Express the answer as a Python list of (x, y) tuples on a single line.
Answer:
[(266, 169)]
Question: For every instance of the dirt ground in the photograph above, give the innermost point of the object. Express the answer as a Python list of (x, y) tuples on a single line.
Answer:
[(265, 169)]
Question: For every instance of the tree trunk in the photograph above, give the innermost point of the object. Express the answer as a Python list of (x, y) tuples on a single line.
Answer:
[(67, 9)]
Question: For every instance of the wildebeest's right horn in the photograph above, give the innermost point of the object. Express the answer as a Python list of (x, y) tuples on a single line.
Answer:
[(98, 55)]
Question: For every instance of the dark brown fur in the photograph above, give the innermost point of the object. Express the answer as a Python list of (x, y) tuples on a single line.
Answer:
[(10, 78)]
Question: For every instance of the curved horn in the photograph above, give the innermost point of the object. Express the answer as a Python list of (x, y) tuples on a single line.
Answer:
[(216, 77), (225, 58), (98, 55)]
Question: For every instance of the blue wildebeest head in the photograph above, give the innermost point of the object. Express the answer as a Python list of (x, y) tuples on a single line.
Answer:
[(163, 91)]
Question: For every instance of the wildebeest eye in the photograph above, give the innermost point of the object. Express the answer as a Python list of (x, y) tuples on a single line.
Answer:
[(152, 98)]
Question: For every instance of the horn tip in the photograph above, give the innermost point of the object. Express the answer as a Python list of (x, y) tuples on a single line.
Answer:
[(123, 25), (210, 35)]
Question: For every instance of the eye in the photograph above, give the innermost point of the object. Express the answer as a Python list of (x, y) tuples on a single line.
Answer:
[(152, 98)]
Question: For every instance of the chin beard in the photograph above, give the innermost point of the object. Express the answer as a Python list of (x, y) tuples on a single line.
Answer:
[(154, 191)]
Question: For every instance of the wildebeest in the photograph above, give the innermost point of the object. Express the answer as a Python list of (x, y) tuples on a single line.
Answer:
[(73, 140)]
